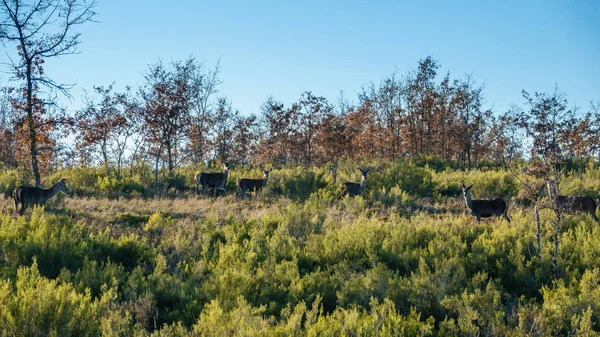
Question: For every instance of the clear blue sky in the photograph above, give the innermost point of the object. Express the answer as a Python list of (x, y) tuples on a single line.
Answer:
[(282, 48)]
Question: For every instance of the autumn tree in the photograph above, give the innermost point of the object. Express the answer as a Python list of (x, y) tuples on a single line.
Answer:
[(507, 137), (445, 116), (471, 120), (166, 97), (389, 102), (104, 127), (277, 127), (333, 139), (579, 140), (245, 140), (362, 127), (41, 30), (7, 137), (311, 110)]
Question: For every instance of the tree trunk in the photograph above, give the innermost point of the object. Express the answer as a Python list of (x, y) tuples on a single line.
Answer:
[(170, 159), (556, 229), (335, 166), (31, 126), (105, 157), (539, 227), (555, 255), (156, 169)]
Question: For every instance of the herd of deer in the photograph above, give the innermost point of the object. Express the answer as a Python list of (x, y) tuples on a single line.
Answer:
[(25, 195)]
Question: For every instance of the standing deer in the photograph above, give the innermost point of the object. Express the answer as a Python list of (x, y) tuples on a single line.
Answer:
[(214, 180), (572, 204), (485, 208), (244, 185), (354, 189), (25, 195)]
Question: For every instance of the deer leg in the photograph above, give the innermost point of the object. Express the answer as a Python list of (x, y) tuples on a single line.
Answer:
[(478, 219), (203, 190), (22, 211), (505, 214)]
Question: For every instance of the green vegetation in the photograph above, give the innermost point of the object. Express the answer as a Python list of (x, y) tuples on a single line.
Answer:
[(300, 260)]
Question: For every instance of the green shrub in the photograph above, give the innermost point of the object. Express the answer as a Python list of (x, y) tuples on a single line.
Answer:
[(158, 221), (9, 180), (36, 306)]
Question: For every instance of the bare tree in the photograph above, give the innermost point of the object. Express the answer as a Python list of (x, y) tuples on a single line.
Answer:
[(546, 121), (225, 122), (202, 105), (594, 132), (41, 29), (166, 113), (104, 128), (312, 110), (7, 137)]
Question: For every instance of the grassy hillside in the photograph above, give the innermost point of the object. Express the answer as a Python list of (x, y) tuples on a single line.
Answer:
[(300, 260)]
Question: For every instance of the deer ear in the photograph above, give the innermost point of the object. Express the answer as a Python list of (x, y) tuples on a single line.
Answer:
[(271, 169), (470, 186), (464, 185)]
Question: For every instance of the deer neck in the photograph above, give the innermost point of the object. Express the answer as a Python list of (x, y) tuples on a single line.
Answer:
[(225, 174), (363, 184), (52, 191), (469, 200), (265, 179)]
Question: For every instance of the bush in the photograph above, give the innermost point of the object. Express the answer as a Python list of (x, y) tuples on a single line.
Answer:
[(9, 180), (36, 306)]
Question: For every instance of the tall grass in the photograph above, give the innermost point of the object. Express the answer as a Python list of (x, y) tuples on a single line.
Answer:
[(301, 259)]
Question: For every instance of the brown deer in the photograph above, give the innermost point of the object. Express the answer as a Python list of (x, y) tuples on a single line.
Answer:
[(244, 185), (25, 195), (485, 208), (354, 189), (572, 204), (214, 180)]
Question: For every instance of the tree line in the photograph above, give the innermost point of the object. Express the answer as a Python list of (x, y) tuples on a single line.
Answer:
[(178, 115)]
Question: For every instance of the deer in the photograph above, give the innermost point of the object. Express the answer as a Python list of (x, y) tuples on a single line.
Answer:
[(354, 189), (25, 195), (485, 208), (245, 184), (572, 204), (214, 180)]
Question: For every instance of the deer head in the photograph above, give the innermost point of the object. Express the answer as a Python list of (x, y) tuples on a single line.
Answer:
[(466, 190), (62, 186), (266, 173), (364, 173)]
